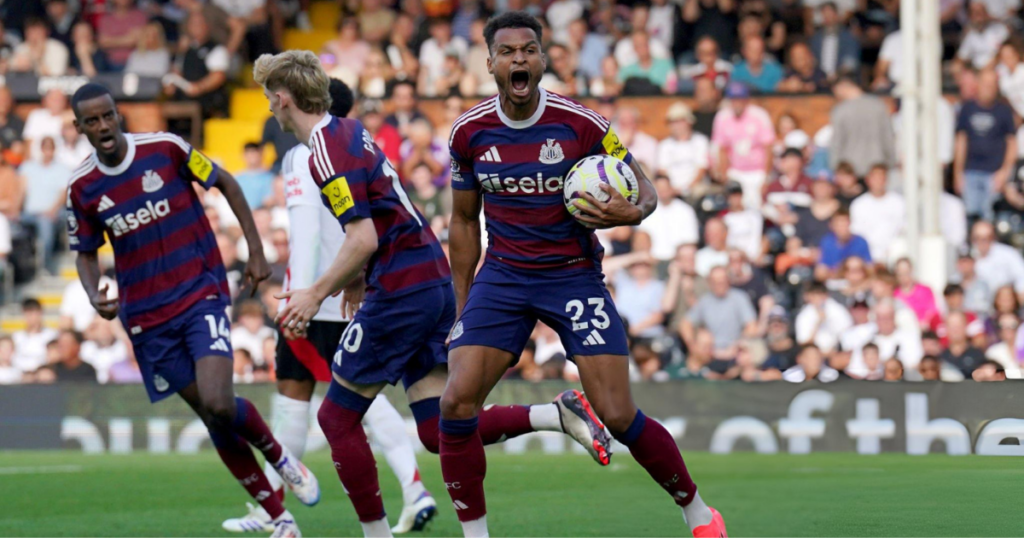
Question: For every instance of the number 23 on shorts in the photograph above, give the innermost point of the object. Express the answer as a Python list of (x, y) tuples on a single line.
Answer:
[(576, 309)]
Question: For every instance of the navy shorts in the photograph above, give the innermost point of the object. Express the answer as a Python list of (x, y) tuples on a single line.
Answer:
[(167, 355), (397, 339), (505, 304)]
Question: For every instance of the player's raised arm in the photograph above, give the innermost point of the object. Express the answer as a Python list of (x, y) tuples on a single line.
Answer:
[(256, 269), (360, 244), (464, 243)]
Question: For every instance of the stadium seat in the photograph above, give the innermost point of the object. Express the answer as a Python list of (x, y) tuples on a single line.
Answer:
[(249, 105), (314, 41), (324, 16), (226, 138)]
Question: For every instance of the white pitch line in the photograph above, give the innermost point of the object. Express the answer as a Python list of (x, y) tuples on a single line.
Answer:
[(41, 469)]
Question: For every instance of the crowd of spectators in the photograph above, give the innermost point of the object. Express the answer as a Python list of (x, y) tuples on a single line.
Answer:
[(775, 252)]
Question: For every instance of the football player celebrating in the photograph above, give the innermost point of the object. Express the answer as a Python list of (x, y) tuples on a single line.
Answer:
[(173, 289), (513, 150)]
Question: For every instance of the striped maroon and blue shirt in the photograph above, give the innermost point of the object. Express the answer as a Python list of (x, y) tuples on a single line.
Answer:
[(357, 181), (165, 254), (520, 166)]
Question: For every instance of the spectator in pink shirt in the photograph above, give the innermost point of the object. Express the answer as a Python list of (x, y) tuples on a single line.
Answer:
[(917, 296), (120, 32), (744, 135)]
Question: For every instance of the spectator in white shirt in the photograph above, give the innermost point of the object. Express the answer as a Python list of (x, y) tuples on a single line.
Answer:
[(9, 375), (822, 319), (745, 225), (46, 121), (433, 53), (40, 53), (894, 341), (684, 154), (672, 224), (877, 215), (103, 348), (250, 332), (642, 146), (30, 344), (983, 38), (716, 251), (889, 68), (996, 264)]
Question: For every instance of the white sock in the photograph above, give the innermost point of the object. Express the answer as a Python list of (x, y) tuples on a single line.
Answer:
[(290, 424), (545, 418), (696, 513), (377, 529), (476, 528), (388, 429)]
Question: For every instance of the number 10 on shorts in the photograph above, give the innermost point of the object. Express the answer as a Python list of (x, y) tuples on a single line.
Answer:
[(576, 309)]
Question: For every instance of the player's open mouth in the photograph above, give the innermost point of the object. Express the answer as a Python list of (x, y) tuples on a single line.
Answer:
[(108, 142), (520, 82)]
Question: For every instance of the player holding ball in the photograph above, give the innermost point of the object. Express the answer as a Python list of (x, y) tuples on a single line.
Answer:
[(514, 151)]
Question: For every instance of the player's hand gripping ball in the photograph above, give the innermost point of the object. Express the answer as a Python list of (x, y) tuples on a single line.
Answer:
[(588, 175)]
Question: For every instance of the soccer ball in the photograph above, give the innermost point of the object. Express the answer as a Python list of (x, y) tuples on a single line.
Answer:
[(590, 172)]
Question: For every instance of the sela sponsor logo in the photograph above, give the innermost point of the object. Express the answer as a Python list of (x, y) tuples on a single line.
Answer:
[(551, 152), (521, 185), (122, 224), (151, 181)]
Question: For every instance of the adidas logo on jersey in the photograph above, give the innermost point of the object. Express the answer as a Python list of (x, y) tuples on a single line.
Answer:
[(524, 185), (120, 225), (594, 339), (151, 181), (105, 203), (220, 345), (491, 156)]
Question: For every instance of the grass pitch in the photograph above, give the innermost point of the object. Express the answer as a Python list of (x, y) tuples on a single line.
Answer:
[(71, 494)]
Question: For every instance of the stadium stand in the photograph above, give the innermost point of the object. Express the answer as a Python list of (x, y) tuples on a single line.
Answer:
[(771, 126)]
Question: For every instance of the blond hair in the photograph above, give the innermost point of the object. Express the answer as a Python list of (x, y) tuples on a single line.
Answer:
[(300, 73)]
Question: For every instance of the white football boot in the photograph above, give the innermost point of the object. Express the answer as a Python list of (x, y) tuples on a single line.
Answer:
[(415, 516), (298, 478), (257, 520), (285, 527)]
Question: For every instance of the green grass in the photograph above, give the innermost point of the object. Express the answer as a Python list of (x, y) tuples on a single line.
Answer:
[(70, 494)]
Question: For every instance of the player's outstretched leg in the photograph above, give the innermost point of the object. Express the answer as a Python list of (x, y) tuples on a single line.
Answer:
[(605, 379), (341, 418), (388, 428), (498, 423)]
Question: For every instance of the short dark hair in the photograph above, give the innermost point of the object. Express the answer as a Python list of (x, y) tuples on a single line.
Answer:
[(841, 212), (31, 303), (35, 21), (511, 19), (930, 358), (817, 287), (929, 335), (74, 334), (845, 167), (952, 289), (88, 91), (793, 152), (253, 146), (342, 99)]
